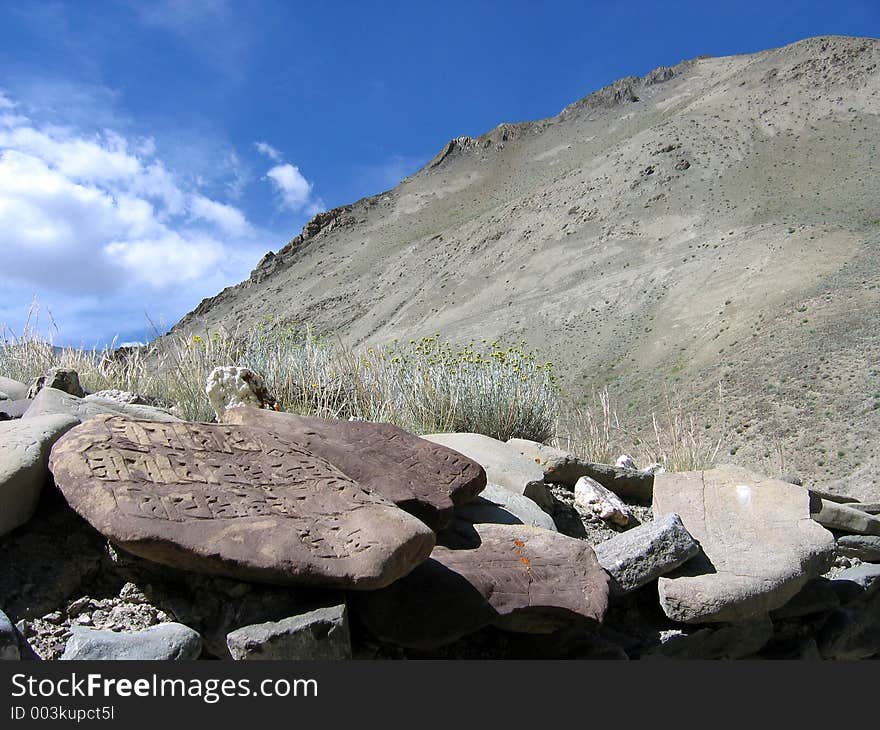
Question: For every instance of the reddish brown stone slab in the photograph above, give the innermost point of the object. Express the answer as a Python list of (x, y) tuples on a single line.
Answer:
[(235, 501), (519, 578), (425, 479)]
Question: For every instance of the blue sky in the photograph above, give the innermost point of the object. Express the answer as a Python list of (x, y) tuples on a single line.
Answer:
[(151, 152)]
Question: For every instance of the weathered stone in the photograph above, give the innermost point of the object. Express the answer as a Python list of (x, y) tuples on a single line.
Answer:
[(831, 497), (233, 387), (519, 578), (8, 639), (62, 379), (11, 409), (500, 506), (625, 461), (863, 547), (561, 467), (872, 508), (591, 496), (53, 401), (644, 553), (759, 544), (852, 632), (13, 389), (425, 479), (866, 576), (817, 596), (503, 465), (234, 501), (169, 641), (321, 634), (846, 519), (727, 641), (125, 397), (24, 459)]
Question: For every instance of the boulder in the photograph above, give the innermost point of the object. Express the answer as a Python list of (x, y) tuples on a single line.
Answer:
[(644, 553), (500, 506), (321, 634), (504, 466), (420, 477), (8, 639), (234, 501), (12, 409), (843, 518), (24, 459), (561, 467), (727, 641), (592, 497), (232, 387), (863, 547), (62, 379), (520, 578), (865, 576), (53, 401), (12, 389), (759, 544), (169, 641)]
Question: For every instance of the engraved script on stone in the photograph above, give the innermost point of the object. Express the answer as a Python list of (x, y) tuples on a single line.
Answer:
[(421, 477), (233, 500)]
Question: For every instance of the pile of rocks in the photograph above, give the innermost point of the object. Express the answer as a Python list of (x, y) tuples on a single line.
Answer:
[(274, 536)]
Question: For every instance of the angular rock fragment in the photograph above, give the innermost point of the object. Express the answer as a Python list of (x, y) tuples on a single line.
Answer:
[(24, 458), (425, 479), (644, 553), (863, 547), (321, 634), (519, 578), (841, 517), (62, 379), (591, 496), (759, 544), (500, 506), (164, 642), (234, 501)]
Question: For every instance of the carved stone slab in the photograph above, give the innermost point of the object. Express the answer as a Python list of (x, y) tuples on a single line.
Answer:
[(423, 478), (234, 501), (519, 578)]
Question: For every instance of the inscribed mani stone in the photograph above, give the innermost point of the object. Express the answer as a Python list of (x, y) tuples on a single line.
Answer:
[(234, 501), (425, 479)]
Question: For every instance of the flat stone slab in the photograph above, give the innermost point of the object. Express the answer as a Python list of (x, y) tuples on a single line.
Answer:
[(844, 518), (503, 464), (11, 409), (13, 389), (170, 641), (425, 479), (234, 501), (863, 547), (561, 467), (519, 578), (53, 401), (24, 459), (759, 544), (321, 634), (500, 506), (644, 553)]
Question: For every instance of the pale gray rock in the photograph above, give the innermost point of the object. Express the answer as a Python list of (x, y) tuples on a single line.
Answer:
[(13, 389), (500, 506), (504, 465), (163, 642), (235, 387), (62, 379), (866, 576), (9, 648), (872, 508), (759, 544), (12, 409), (24, 464), (644, 553), (53, 401), (625, 461), (125, 397), (321, 634), (863, 547), (592, 497), (844, 518)]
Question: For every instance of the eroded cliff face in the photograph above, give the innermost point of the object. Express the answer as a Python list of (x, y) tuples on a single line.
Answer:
[(712, 222)]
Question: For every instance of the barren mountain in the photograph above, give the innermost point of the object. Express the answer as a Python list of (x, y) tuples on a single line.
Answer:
[(713, 222)]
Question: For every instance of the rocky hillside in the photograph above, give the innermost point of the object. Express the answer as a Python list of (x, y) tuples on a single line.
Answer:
[(711, 222)]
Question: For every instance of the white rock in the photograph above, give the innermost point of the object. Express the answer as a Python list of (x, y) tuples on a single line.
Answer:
[(233, 387), (593, 497), (625, 461), (654, 468)]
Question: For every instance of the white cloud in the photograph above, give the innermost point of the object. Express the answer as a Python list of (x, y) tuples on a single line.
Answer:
[(97, 226), (264, 148), (294, 190)]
